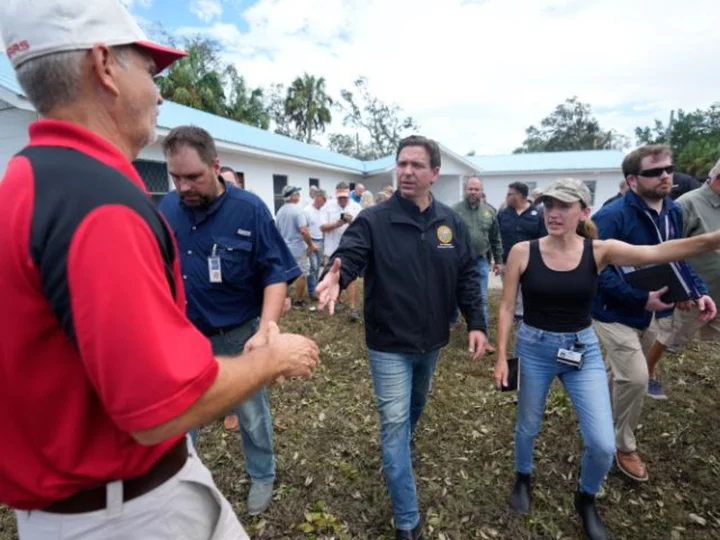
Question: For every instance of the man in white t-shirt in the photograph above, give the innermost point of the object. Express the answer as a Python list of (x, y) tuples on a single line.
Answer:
[(315, 215), (337, 215)]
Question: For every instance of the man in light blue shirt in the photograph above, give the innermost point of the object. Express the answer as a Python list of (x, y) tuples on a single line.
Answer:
[(293, 226)]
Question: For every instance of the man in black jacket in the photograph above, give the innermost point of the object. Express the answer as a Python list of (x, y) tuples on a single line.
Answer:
[(419, 264)]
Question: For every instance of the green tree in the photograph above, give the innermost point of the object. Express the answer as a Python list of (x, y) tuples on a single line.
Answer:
[(384, 125), (245, 104), (571, 126), (307, 105), (275, 105), (202, 81), (694, 138), (195, 80), (350, 145)]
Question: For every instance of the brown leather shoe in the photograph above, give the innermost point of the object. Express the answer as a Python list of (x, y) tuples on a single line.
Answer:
[(231, 423), (631, 465)]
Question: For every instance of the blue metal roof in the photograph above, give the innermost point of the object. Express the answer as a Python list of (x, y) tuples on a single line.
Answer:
[(550, 161), (224, 129), (381, 164), (7, 76)]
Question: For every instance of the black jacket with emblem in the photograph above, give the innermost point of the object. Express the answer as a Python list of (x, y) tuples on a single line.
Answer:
[(418, 267)]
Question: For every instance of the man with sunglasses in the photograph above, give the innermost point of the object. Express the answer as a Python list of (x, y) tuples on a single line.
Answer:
[(628, 320)]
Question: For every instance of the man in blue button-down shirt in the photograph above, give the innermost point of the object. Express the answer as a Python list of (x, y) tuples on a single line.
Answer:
[(236, 268)]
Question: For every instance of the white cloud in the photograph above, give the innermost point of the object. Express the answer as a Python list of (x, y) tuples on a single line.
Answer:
[(476, 74), (206, 10), (142, 3)]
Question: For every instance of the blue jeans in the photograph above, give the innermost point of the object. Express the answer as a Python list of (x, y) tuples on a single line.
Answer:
[(588, 390), (315, 262), (401, 382), (483, 266), (256, 427)]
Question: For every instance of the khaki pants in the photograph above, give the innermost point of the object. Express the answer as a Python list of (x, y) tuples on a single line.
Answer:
[(625, 360), (685, 325), (187, 507)]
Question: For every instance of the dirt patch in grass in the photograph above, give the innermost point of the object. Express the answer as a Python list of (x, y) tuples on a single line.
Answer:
[(330, 482)]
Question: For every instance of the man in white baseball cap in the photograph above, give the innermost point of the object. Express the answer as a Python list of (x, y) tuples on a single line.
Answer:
[(35, 28), (95, 338)]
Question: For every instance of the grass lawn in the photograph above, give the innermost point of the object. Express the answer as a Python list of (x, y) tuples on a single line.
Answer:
[(330, 481)]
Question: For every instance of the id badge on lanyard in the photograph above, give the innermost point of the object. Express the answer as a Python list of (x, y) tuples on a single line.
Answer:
[(572, 357), (214, 267)]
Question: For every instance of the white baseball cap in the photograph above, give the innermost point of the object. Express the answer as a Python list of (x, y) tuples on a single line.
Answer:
[(34, 28)]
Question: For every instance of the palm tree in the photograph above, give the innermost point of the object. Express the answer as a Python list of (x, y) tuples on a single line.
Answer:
[(308, 106)]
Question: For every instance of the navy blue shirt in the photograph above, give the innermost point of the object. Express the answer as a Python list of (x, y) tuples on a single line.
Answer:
[(516, 227), (253, 255)]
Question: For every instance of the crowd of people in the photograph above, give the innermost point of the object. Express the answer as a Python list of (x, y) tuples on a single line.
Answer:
[(140, 324)]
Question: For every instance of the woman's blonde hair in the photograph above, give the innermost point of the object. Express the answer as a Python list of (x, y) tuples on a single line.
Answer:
[(367, 199)]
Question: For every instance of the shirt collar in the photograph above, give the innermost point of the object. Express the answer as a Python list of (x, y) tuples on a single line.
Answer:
[(413, 209), (712, 197), (200, 214), (637, 201), (47, 132)]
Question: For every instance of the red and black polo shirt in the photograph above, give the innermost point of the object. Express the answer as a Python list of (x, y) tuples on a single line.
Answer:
[(95, 343)]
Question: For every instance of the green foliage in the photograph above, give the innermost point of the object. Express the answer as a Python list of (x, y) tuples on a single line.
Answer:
[(307, 105), (571, 126), (202, 81), (693, 136)]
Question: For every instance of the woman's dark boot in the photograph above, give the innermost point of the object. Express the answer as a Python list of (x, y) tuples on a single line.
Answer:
[(592, 524), (521, 494)]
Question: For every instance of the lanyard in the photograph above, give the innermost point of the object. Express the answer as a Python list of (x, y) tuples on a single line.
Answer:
[(679, 267), (668, 229)]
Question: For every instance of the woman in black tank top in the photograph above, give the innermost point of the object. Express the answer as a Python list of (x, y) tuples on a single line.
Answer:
[(558, 275)]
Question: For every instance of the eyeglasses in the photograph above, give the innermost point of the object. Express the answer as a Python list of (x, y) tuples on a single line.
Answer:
[(657, 171)]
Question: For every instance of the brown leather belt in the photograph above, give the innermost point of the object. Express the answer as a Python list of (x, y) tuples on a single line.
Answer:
[(90, 500)]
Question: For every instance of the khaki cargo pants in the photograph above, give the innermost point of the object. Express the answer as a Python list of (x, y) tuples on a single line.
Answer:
[(625, 360)]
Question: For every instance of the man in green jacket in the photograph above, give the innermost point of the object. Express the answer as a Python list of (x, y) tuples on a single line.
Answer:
[(481, 220)]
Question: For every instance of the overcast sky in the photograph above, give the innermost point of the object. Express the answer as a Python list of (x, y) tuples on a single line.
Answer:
[(474, 73)]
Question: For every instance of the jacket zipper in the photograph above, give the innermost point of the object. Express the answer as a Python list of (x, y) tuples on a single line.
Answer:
[(425, 290)]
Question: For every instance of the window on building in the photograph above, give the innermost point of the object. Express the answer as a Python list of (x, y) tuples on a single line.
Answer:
[(279, 182), (591, 184), (240, 178), (155, 176), (315, 182)]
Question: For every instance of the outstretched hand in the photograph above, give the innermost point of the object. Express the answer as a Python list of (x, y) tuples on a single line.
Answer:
[(328, 290)]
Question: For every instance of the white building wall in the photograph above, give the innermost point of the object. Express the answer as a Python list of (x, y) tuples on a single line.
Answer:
[(259, 173), (13, 132), (447, 189), (496, 185), (377, 182)]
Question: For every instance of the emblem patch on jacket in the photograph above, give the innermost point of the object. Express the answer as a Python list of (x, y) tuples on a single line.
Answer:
[(444, 234)]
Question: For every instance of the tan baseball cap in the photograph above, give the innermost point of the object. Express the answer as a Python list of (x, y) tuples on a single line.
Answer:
[(34, 28), (567, 190)]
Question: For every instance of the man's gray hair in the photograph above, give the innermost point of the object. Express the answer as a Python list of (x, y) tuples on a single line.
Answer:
[(53, 80), (715, 171)]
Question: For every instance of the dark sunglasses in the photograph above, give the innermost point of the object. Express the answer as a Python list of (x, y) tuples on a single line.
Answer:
[(657, 171)]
